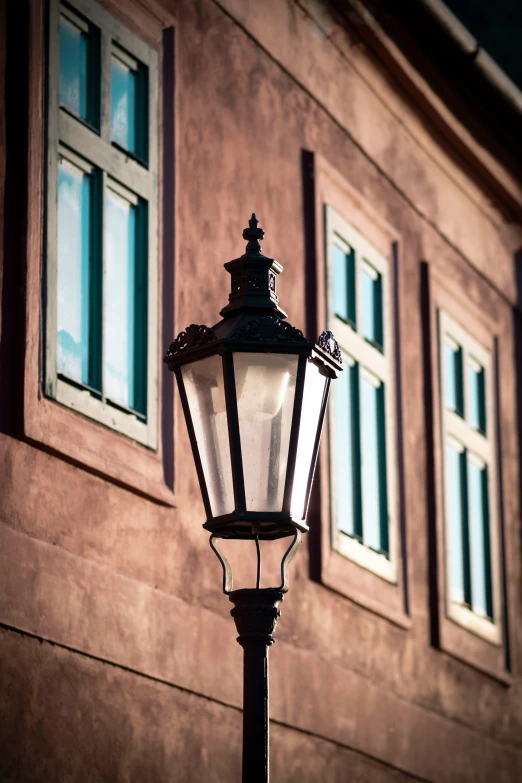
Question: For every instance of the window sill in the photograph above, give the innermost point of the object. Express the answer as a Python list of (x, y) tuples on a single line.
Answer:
[(365, 557), (95, 447), (126, 424), (362, 586), (467, 646), (480, 626)]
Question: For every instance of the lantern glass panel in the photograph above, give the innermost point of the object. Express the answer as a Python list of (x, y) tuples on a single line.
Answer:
[(313, 394), (205, 391), (265, 389)]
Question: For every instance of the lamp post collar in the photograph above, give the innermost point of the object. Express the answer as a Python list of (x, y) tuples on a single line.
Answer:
[(253, 277)]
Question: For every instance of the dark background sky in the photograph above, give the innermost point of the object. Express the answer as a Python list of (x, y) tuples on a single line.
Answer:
[(497, 25)]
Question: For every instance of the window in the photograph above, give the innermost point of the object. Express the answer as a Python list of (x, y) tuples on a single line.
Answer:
[(468, 467), (101, 303), (360, 436)]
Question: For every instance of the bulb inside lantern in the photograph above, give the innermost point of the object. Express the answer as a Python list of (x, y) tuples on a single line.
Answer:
[(265, 389), (261, 383)]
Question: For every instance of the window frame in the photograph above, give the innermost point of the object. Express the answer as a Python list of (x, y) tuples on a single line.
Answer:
[(66, 131), (324, 184), (374, 361), (457, 428), (470, 301)]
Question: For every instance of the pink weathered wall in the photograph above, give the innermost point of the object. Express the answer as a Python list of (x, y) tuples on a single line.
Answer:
[(118, 659)]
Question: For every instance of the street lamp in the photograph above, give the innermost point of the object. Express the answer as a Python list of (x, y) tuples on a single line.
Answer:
[(254, 394)]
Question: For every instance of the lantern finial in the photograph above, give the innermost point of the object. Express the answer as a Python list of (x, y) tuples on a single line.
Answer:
[(253, 235), (253, 284)]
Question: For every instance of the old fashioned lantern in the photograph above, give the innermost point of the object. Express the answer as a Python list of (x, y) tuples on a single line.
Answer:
[(254, 393)]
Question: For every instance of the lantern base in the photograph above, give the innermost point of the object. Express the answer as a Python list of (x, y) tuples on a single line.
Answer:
[(249, 524)]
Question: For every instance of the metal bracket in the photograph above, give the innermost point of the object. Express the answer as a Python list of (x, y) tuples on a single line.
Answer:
[(227, 570), (287, 559)]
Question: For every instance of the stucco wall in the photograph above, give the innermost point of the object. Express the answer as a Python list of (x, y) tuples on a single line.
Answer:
[(139, 676)]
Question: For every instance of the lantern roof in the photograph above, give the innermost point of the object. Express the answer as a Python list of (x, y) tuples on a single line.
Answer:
[(253, 319), (253, 277)]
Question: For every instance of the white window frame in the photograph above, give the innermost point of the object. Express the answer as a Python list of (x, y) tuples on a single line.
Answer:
[(482, 449), (355, 348), (65, 132)]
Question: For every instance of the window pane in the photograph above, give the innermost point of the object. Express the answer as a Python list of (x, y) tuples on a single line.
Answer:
[(77, 88), (125, 303), (74, 280), (129, 106), (265, 389), (372, 305), (373, 473), (204, 387), (459, 590), (454, 380), (344, 284), (313, 395), (476, 397), (344, 447), (481, 601)]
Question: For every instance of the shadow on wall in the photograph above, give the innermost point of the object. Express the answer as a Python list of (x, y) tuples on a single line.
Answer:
[(12, 291)]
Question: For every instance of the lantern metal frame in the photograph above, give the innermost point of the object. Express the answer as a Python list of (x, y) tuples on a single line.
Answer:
[(238, 524), (253, 323)]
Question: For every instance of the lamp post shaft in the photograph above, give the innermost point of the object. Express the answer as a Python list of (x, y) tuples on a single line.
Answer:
[(255, 713), (255, 613)]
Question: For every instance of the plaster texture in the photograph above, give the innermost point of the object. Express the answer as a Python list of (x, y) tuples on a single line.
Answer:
[(118, 659)]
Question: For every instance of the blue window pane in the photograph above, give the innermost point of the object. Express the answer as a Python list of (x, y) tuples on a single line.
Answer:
[(74, 68), (344, 467), (123, 105), (125, 304), (344, 284), (476, 398), (373, 475), (372, 306), (74, 251), (480, 567), (454, 380), (455, 520)]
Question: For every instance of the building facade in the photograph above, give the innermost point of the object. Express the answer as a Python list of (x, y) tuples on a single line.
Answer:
[(379, 145)]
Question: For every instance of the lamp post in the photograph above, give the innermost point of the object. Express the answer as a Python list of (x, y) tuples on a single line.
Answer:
[(254, 392)]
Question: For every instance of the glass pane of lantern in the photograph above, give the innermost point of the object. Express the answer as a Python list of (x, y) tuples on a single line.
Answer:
[(312, 402), (206, 398), (265, 388)]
